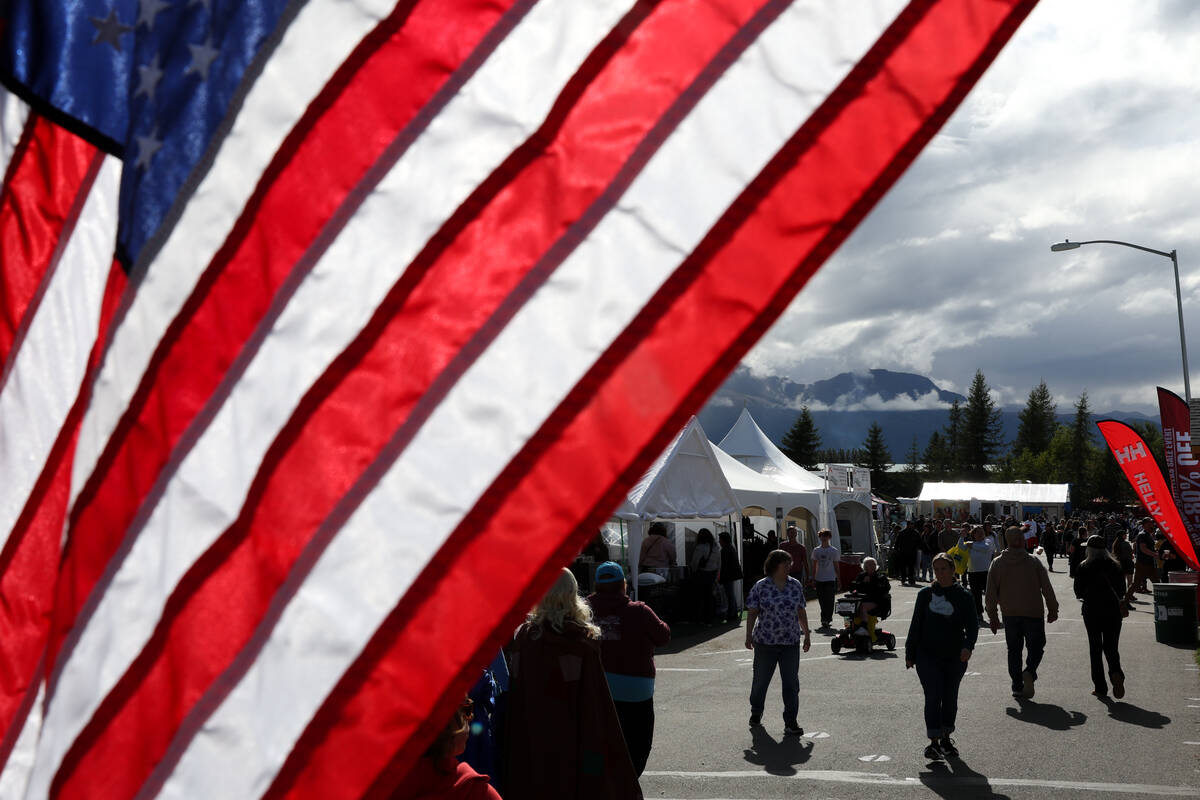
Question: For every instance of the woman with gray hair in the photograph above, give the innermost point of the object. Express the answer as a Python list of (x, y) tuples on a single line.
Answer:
[(1100, 584)]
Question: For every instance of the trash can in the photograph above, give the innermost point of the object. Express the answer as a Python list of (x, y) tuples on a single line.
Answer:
[(1187, 577), (848, 568), (1174, 613)]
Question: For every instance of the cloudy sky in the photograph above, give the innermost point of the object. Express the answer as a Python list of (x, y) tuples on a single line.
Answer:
[(1088, 127)]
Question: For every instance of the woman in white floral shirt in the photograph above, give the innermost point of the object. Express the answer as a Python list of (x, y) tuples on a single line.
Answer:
[(776, 626)]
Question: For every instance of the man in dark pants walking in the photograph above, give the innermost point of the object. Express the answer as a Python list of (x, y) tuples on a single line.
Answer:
[(825, 561), (629, 632), (1018, 582), (904, 549)]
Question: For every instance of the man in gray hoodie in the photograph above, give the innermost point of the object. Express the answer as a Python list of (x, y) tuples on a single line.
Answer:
[(1018, 582)]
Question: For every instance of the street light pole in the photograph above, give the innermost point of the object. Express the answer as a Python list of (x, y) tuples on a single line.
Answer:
[(1067, 244)]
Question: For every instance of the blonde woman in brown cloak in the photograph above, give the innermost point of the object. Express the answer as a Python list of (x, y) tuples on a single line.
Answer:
[(563, 739)]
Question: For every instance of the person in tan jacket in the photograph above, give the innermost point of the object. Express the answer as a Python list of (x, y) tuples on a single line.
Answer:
[(1018, 582)]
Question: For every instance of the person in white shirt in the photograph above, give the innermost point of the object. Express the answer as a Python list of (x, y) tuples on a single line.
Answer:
[(825, 559), (981, 549)]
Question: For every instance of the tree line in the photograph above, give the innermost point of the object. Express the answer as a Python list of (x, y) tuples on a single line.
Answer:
[(971, 447)]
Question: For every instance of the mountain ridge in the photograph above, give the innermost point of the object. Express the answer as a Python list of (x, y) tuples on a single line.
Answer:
[(843, 407)]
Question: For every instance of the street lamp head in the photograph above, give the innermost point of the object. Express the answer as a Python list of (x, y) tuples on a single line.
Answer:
[(1066, 244)]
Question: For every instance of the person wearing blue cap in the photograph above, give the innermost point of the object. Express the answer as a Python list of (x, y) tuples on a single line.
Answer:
[(629, 632)]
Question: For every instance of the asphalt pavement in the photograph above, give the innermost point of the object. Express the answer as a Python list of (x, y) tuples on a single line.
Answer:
[(864, 734)]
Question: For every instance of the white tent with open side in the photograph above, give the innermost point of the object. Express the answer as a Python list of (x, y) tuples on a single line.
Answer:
[(1001, 498), (686, 482), (747, 443)]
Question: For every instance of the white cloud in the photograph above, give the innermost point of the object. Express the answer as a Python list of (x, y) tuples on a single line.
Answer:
[(875, 402), (1085, 127)]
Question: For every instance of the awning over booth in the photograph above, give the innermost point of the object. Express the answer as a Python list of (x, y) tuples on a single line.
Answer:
[(1027, 494)]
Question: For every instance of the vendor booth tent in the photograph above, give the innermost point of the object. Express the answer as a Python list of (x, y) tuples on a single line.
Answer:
[(748, 444), (686, 482), (847, 513), (754, 489), (1003, 498)]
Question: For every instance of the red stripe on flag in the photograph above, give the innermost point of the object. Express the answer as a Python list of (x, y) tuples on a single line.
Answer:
[(245, 568), (320, 163), (40, 190), (29, 561), (389, 705)]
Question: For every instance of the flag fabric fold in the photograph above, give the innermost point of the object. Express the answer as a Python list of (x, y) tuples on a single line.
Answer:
[(367, 315), (1183, 468)]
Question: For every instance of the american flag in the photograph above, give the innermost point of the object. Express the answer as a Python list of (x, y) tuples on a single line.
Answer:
[(332, 329)]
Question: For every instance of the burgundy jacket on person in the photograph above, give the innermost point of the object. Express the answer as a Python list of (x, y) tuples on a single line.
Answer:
[(631, 631), (563, 738)]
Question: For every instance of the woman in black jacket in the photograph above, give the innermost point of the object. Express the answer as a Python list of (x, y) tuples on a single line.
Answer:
[(1100, 584), (940, 640)]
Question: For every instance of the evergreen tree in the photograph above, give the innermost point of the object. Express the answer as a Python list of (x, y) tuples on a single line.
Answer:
[(937, 458), (1080, 453), (912, 458), (874, 454), (802, 441), (908, 483), (954, 440), (1037, 422), (982, 432)]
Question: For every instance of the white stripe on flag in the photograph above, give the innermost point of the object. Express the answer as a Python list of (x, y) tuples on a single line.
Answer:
[(14, 113), (497, 109), (50, 365), (14, 778), (322, 36), (505, 396)]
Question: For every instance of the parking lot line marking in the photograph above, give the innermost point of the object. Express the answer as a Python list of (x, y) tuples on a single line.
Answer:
[(948, 781)]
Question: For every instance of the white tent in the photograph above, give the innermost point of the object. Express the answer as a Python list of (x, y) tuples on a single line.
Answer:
[(1016, 497), (686, 482), (756, 489), (747, 443)]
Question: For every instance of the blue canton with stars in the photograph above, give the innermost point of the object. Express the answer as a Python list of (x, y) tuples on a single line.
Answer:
[(149, 80)]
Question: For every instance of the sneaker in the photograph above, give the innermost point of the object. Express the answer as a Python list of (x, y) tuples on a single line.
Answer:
[(1118, 685), (792, 729), (946, 745), (1027, 690), (933, 752), (755, 720), (1017, 693), (1100, 694)]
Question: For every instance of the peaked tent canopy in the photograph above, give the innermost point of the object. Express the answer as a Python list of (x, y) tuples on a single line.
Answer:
[(756, 489), (748, 444), (686, 482)]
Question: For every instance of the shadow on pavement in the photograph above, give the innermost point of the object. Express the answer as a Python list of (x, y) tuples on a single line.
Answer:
[(686, 634), (777, 756), (1056, 718), (1124, 712), (954, 779)]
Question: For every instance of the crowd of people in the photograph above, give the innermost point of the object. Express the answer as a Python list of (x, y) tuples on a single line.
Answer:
[(578, 678)]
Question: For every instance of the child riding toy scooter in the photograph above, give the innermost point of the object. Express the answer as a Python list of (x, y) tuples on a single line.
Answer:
[(869, 601)]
